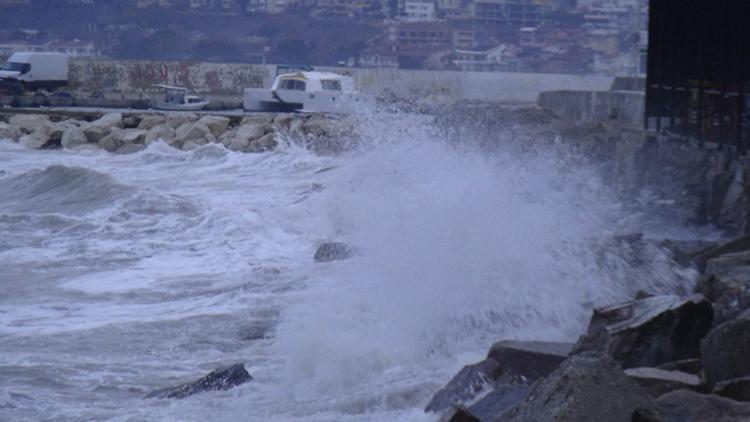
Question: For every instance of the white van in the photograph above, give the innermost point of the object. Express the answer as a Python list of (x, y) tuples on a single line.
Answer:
[(37, 70)]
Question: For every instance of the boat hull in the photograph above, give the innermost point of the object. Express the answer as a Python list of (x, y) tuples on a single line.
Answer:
[(255, 99), (181, 107)]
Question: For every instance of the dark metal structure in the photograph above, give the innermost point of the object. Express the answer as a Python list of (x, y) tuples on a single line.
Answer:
[(698, 82)]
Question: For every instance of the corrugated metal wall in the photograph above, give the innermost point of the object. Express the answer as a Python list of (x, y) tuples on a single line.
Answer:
[(699, 70)]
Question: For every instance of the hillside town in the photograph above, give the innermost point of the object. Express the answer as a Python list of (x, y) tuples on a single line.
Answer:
[(545, 36)]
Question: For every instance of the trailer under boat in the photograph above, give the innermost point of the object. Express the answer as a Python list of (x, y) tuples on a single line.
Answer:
[(324, 92)]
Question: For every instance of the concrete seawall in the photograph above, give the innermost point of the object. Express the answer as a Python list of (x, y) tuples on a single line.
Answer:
[(592, 106), (225, 79)]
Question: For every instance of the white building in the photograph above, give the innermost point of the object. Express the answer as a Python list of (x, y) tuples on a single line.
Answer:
[(419, 10), (71, 48)]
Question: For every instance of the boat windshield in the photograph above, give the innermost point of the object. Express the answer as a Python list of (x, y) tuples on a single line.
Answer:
[(17, 67), (292, 84), (331, 85)]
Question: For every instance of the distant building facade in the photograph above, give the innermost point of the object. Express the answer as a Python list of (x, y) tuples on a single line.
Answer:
[(72, 48)]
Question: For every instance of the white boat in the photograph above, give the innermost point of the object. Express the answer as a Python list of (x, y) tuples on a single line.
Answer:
[(179, 98), (325, 92)]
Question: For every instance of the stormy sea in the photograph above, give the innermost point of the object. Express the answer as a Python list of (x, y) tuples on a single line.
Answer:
[(121, 274)]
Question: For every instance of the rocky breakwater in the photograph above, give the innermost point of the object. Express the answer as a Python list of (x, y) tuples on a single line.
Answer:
[(656, 358), (124, 133)]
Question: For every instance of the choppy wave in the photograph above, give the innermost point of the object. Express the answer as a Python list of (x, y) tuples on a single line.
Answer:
[(460, 248), (125, 273), (59, 189)]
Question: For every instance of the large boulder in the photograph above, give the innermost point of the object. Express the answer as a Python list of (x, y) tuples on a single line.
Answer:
[(690, 406), (729, 293), (238, 144), (120, 138), (8, 131), (161, 132), (262, 119), (29, 123), (650, 331), (177, 119), (266, 142), (283, 120), (459, 414), (109, 120), (498, 401), (131, 121), (195, 133), (733, 264), (110, 142), (735, 388), (94, 134), (725, 351), (32, 141), (333, 251), (688, 366), (73, 137), (506, 373), (527, 361), (250, 131), (99, 129), (739, 244), (658, 381), (219, 379), (216, 124), (465, 385), (684, 252), (587, 387), (150, 121)]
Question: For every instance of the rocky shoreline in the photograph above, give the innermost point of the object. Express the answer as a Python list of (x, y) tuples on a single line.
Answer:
[(129, 132), (657, 358)]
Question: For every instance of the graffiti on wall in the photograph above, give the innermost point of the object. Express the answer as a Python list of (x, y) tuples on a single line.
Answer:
[(133, 76)]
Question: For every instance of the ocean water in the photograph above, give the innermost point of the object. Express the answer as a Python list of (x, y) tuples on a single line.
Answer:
[(122, 274)]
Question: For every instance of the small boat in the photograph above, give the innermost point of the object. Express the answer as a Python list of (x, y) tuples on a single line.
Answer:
[(179, 98), (306, 91)]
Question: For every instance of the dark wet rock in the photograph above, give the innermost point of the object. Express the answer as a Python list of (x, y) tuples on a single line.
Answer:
[(469, 382), (729, 293), (725, 351), (736, 264), (735, 389), (498, 401), (739, 244), (658, 381), (527, 361), (686, 252), (587, 387), (689, 406), (256, 332), (459, 414), (509, 368), (131, 121), (689, 366), (265, 143), (219, 379), (333, 251), (649, 332)]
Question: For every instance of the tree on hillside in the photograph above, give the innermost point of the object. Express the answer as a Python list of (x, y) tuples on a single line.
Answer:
[(293, 50)]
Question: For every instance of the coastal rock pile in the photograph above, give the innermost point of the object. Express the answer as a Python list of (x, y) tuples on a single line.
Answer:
[(657, 358), (124, 133)]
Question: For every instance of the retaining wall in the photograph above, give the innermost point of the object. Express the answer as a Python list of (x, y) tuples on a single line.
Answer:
[(134, 76), (592, 105)]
